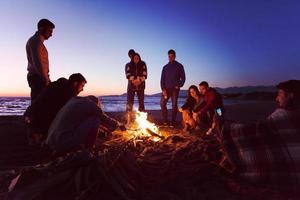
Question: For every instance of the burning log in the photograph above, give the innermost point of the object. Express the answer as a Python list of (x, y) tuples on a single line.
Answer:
[(154, 134)]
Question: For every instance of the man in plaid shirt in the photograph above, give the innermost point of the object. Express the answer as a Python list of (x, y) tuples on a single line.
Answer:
[(268, 152)]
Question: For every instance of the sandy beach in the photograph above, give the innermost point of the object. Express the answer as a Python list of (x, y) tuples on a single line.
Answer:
[(16, 153), (13, 131)]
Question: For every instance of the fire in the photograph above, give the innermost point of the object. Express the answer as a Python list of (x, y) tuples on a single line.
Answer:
[(142, 128)]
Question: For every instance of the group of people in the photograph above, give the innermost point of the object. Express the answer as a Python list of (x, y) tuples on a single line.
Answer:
[(200, 107), (172, 79), (57, 117), (67, 122)]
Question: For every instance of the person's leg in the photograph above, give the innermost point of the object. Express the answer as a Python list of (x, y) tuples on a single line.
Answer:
[(130, 99), (36, 85), (163, 105), (84, 135), (140, 94), (185, 117), (174, 97)]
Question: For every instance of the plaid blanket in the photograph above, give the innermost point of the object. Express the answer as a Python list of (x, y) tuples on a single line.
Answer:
[(267, 152)]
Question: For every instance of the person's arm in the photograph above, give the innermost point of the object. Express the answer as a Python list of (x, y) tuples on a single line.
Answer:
[(40, 60), (108, 121), (182, 76), (145, 72), (209, 104), (188, 104), (128, 72), (162, 80)]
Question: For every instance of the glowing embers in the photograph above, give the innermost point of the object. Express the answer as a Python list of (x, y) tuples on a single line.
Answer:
[(141, 128)]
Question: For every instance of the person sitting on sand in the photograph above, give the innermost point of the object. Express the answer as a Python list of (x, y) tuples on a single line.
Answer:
[(267, 152), (194, 100), (76, 125), (212, 101), (40, 114)]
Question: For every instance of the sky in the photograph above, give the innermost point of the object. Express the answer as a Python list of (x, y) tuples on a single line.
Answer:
[(227, 43)]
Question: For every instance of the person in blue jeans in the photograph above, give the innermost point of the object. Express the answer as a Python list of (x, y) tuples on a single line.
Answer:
[(172, 79)]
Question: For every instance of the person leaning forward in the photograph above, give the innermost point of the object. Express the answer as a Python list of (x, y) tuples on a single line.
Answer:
[(76, 125), (39, 115), (37, 57)]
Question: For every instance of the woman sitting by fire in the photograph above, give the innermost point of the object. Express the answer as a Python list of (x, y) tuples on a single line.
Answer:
[(193, 102)]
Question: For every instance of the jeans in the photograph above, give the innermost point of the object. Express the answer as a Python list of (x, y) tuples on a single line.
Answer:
[(173, 93), (130, 99), (36, 84)]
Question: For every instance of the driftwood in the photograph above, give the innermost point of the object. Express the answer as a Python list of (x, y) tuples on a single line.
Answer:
[(178, 167)]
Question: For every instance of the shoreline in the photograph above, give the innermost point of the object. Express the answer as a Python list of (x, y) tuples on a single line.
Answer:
[(244, 112)]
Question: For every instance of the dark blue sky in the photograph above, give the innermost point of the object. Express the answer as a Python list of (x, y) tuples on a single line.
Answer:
[(227, 43)]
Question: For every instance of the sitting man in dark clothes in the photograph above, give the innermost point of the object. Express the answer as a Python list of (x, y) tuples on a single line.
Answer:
[(268, 152), (212, 101), (76, 125), (41, 113)]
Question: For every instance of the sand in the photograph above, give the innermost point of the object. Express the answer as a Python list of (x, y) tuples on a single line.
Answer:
[(16, 153)]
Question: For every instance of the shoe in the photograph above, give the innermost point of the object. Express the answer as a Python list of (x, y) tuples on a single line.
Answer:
[(165, 123)]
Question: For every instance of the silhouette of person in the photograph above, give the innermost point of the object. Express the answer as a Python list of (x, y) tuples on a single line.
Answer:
[(37, 57)]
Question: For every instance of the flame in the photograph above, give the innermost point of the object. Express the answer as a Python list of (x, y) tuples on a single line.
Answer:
[(142, 128)]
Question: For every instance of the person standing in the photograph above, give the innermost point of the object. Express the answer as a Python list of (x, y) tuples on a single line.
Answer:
[(136, 73), (172, 79), (37, 57)]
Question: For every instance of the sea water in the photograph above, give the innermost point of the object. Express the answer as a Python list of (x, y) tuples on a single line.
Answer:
[(18, 105)]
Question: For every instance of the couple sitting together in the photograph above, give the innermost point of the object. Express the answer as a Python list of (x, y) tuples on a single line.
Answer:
[(201, 108)]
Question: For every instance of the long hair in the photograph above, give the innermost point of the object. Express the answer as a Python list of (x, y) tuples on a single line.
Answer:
[(196, 90)]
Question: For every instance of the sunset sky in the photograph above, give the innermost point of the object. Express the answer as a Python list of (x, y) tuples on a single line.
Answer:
[(227, 43)]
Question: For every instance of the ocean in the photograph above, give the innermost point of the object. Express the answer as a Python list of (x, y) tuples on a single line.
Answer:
[(18, 105)]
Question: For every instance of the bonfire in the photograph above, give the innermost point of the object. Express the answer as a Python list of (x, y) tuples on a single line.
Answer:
[(141, 128)]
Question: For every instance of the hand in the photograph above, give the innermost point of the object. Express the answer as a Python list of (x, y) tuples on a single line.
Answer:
[(195, 115), (176, 87), (164, 92), (136, 82), (180, 110)]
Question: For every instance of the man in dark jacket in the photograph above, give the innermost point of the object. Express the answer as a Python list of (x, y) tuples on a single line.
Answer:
[(172, 79), (41, 113), (212, 101), (136, 73)]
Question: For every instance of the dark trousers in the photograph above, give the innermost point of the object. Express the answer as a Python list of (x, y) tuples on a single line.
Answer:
[(173, 93), (130, 99), (36, 84)]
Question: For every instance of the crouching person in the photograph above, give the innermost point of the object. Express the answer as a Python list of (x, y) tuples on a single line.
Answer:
[(194, 100), (76, 125), (267, 153), (40, 114)]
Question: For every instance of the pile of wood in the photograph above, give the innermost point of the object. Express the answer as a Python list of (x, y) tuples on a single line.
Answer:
[(178, 167)]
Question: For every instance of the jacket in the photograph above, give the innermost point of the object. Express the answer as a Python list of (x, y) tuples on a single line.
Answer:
[(136, 71), (172, 76)]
